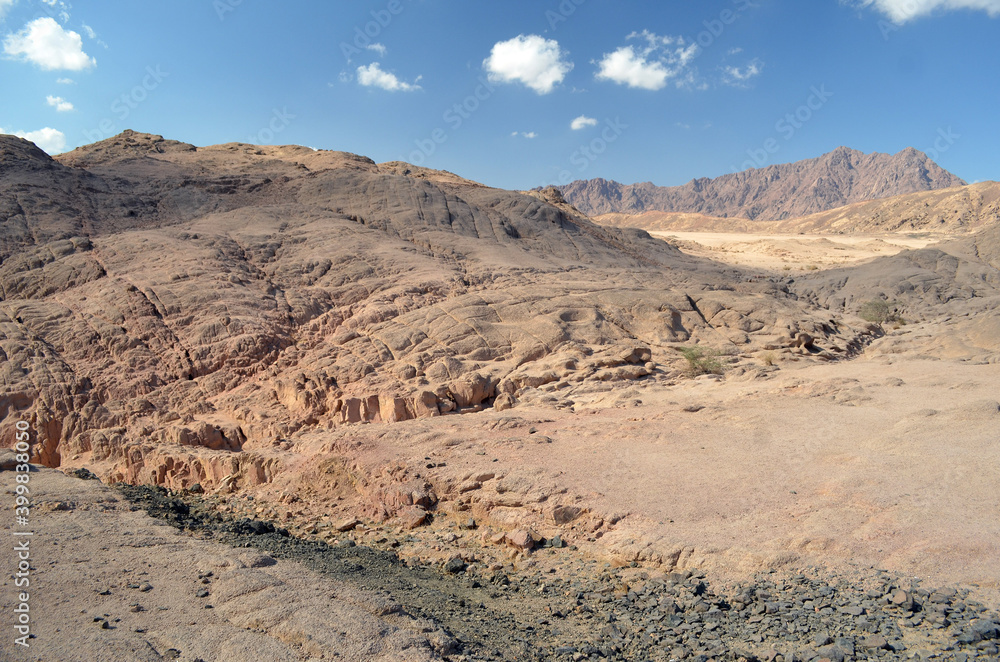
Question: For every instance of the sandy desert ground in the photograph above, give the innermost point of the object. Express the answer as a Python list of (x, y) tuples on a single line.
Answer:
[(795, 252)]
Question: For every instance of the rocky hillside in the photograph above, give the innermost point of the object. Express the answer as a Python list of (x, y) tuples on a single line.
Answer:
[(169, 312), (777, 192)]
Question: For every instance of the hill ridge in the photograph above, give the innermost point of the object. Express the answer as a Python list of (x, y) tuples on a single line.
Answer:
[(775, 192)]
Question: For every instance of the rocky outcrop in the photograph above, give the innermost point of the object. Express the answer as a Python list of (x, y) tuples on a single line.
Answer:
[(174, 314)]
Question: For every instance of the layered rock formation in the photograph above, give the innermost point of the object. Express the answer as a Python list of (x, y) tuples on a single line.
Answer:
[(174, 314), (776, 192)]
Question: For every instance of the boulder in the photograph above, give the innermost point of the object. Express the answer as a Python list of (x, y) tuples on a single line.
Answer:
[(412, 516), (521, 539)]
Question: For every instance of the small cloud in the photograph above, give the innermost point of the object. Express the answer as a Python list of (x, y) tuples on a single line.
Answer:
[(901, 11), (45, 43), (582, 122), (532, 60), (61, 6), (735, 51), (740, 76), (682, 125), (373, 76), (65, 81), (529, 135), (344, 77), (60, 104), (649, 66), (93, 35), (48, 139), (378, 48)]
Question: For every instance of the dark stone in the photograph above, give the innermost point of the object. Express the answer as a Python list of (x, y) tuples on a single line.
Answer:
[(565, 514), (455, 566), (986, 629)]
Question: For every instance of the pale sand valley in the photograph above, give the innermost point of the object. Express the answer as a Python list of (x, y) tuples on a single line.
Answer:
[(287, 404)]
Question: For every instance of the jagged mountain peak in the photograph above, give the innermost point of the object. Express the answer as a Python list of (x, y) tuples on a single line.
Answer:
[(776, 192)]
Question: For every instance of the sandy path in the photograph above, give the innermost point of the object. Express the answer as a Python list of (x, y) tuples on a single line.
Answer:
[(109, 583)]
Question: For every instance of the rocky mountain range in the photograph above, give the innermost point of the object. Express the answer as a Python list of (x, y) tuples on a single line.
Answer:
[(955, 210), (157, 297), (461, 404), (167, 309), (776, 192)]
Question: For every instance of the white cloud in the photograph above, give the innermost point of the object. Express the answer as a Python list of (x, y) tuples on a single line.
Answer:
[(531, 60), (61, 6), (529, 135), (48, 139), (45, 43), (651, 66), (373, 76), (60, 104), (93, 35), (378, 48), (65, 81), (738, 76), (582, 122), (901, 11)]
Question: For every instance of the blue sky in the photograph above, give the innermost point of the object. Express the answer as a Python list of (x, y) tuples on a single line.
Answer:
[(518, 94)]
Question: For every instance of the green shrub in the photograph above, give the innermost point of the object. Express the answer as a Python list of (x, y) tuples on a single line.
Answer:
[(878, 312), (702, 361)]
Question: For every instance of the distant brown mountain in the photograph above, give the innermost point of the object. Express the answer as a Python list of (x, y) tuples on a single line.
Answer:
[(956, 210), (842, 177)]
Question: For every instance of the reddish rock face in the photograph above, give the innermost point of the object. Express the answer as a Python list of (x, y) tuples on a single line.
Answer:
[(184, 315), (520, 539), (412, 516)]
